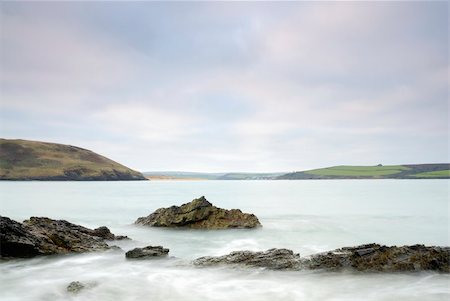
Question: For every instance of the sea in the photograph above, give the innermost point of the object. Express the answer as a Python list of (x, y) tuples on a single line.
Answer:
[(307, 216)]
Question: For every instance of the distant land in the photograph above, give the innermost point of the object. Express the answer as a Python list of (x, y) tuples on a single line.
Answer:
[(34, 160), (408, 171), (185, 175)]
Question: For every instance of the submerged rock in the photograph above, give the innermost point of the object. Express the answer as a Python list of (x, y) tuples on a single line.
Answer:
[(199, 214), (369, 258), (44, 236), (75, 287), (274, 259), (147, 252)]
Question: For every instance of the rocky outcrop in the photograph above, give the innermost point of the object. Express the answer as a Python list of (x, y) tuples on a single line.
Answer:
[(374, 257), (274, 259), (199, 214), (367, 258), (44, 236), (147, 252)]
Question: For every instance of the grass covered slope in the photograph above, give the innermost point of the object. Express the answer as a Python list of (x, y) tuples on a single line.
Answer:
[(418, 171), (33, 160)]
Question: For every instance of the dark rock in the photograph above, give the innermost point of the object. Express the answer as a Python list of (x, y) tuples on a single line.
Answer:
[(16, 241), (374, 257), (44, 236), (147, 252), (104, 233), (274, 259), (121, 237), (199, 214)]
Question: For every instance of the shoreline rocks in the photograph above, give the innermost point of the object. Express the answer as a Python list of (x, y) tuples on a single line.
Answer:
[(147, 252), (379, 258), (364, 258), (45, 236), (273, 259), (199, 214)]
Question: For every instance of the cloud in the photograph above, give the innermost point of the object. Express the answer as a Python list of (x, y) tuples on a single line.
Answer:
[(230, 86)]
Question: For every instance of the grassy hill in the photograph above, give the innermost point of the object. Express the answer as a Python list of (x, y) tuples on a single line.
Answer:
[(33, 160), (417, 171)]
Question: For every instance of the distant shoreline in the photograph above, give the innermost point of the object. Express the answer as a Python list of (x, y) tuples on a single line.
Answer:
[(342, 172), (169, 178)]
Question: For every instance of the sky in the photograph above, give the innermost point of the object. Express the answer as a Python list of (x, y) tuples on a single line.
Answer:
[(229, 86)]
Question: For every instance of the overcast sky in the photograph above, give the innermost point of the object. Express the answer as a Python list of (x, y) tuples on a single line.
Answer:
[(230, 86)]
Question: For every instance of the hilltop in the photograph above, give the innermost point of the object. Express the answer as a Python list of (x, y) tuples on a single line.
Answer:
[(34, 160), (409, 171)]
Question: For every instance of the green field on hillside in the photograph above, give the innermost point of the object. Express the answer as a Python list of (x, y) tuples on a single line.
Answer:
[(434, 174), (409, 171), (358, 171)]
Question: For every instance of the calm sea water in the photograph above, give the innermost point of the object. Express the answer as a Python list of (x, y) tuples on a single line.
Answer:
[(305, 216)]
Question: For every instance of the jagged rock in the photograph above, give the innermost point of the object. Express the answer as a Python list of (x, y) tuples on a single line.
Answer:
[(60, 236), (199, 214), (369, 258), (16, 241), (274, 259), (44, 236), (147, 252), (375, 257)]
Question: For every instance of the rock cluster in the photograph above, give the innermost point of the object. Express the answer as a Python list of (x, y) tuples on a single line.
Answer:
[(44, 236), (274, 259), (199, 214), (147, 252), (370, 257), (375, 257)]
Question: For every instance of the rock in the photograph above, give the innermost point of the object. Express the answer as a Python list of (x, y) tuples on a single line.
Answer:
[(75, 287), (105, 233), (375, 257), (365, 258), (44, 236), (199, 214), (273, 259), (60, 236), (16, 241), (147, 252), (121, 237)]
